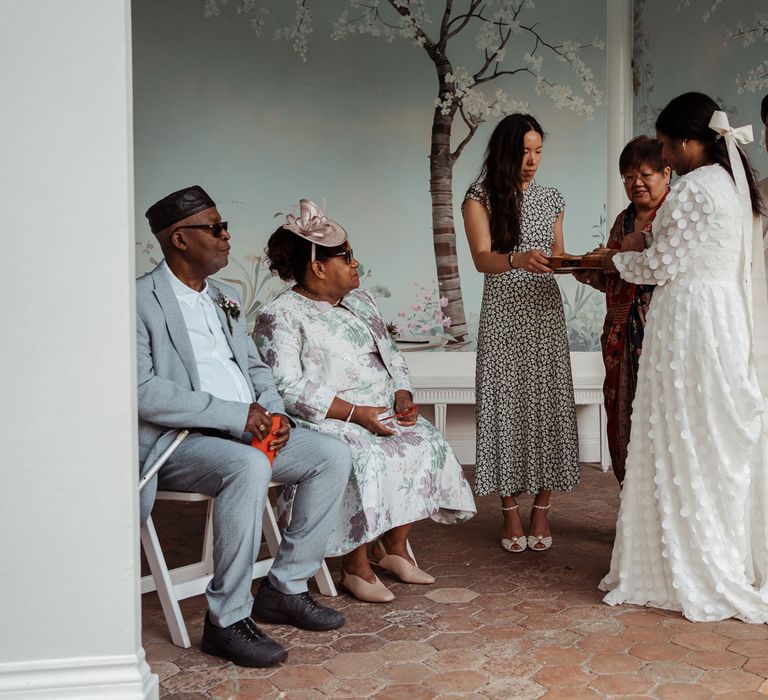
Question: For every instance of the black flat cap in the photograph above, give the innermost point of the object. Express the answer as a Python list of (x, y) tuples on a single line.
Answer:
[(177, 206)]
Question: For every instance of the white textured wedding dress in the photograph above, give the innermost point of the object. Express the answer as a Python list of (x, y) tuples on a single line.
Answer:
[(691, 531)]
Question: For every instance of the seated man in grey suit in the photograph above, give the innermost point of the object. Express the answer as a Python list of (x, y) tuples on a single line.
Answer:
[(199, 369)]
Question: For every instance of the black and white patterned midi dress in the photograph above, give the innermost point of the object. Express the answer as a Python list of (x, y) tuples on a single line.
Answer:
[(526, 417)]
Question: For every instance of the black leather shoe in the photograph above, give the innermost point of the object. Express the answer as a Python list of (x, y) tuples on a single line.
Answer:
[(242, 643), (300, 610)]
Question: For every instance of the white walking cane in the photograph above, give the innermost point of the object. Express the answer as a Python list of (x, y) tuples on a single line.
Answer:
[(162, 459)]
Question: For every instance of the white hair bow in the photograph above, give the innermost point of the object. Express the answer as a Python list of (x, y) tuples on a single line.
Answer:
[(753, 269), (719, 123)]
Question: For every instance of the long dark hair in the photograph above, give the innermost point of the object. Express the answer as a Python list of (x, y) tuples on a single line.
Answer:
[(500, 177), (687, 117)]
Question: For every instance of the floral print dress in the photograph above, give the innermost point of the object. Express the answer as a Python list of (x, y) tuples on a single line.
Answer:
[(317, 352), (526, 416)]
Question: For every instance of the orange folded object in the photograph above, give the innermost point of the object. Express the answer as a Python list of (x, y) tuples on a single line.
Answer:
[(263, 445)]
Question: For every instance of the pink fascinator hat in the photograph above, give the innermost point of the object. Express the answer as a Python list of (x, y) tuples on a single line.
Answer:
[(314, 226)]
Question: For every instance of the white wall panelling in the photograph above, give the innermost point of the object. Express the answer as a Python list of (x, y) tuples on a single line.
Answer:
[(69, 566), (447, 379), (618, 98)]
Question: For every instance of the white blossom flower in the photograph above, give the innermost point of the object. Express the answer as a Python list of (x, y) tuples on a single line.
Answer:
[(299, 32), (533, 61), (753, 80)]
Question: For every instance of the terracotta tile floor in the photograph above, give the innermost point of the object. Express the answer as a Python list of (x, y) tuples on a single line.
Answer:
[(494, 625)]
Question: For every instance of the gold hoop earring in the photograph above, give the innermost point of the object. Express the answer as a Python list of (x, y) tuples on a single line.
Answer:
[(685, 145)]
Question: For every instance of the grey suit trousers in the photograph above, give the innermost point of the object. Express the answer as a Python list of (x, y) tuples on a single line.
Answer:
[(237, 476)]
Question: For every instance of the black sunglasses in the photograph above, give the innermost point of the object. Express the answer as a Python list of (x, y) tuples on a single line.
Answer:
[(214, 229), (348, 255)]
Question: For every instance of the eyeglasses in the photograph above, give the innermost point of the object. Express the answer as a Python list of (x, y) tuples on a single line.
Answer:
[(214, 229), (642, 177), (348, 255)]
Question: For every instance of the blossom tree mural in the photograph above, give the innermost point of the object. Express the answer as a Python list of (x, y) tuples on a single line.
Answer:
[(511, 48), (746, 32)]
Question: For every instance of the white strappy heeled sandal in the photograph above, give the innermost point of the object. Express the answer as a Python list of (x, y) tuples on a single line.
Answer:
[(514, 544), (539, 543)]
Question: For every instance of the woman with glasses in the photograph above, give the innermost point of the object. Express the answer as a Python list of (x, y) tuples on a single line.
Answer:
[(340, 373), (645, 175), (526, 417)]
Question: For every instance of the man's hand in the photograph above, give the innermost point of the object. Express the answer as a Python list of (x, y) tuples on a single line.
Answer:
[(407, 411), (281, 434), (259, 421)]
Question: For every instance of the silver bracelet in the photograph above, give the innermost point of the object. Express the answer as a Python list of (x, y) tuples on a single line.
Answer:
[(351, 411)]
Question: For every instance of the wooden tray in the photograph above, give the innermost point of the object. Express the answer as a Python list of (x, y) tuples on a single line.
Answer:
[(565, 264)]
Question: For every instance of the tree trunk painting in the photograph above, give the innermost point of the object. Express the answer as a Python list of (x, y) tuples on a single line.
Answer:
[(498, 24), (443, 230)]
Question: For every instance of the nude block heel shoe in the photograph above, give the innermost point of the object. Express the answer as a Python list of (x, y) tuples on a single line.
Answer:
[(399, 566), (375, 592)]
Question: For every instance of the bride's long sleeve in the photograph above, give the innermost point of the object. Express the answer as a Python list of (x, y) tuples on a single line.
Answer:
[(680, 223)]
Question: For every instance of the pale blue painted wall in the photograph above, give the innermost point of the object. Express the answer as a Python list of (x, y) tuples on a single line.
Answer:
[(685, 53), (258, 128)]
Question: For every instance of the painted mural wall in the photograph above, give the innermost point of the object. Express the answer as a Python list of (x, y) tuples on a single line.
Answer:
[(719, 47), (262, 104)]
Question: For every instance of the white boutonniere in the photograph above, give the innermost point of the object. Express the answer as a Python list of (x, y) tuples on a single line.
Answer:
[(230, 307)]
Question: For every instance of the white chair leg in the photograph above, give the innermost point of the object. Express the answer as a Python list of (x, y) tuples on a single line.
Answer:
[(270, 529), (324, 582), (207, 556), (272, 535), (165, 592), (410, 552)]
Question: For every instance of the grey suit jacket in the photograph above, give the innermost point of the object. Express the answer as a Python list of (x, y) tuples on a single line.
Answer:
[(169, 396)]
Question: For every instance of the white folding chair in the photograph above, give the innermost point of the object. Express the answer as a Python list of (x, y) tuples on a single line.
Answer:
[(191, 580)]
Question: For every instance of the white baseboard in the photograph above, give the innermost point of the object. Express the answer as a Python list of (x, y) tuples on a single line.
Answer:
[(123, 677)]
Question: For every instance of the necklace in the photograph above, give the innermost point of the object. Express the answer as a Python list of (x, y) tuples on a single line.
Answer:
[(305, 292)]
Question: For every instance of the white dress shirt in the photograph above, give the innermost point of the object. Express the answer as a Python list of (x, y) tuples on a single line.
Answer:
[(219, 374)]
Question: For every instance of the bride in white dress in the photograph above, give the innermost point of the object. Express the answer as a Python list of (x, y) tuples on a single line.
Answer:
[(692, 526)]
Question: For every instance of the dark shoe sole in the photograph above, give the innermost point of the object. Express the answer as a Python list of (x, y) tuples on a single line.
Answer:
[(213, 650), (275, 617)]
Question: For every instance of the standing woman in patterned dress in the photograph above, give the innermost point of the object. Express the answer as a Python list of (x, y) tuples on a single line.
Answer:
[(526, 417)]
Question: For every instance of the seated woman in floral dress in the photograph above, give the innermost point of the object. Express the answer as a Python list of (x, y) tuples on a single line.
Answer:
[(340, 373)]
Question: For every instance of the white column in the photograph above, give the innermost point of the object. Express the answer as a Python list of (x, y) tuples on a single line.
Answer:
[(69, 599), (618, 97)]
